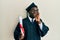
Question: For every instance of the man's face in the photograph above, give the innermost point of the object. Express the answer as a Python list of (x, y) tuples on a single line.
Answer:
[(33, 12)]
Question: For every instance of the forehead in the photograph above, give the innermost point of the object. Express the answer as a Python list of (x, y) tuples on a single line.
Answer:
[(34, 8)]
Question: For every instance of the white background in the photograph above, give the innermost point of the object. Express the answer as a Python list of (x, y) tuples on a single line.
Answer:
[(10, 10)]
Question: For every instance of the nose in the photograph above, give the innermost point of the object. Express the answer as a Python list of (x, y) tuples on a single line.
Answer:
[(36, 12)]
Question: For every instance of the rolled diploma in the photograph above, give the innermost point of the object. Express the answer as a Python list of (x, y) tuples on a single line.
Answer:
[(21, 25)]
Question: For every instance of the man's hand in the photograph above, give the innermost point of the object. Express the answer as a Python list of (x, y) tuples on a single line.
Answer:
[(37, 18), (21, 37)]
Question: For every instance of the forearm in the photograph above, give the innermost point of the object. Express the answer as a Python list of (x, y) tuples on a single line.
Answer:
[(43, 29)]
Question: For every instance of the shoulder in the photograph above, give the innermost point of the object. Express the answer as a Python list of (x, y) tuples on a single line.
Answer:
[(25, 19)]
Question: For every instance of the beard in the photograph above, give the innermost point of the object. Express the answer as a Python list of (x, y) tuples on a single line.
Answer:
[(32, 16)]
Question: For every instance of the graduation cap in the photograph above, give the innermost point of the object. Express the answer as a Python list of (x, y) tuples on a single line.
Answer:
[(31, 6)]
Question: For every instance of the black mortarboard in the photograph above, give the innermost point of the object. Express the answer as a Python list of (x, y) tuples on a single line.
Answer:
[(29, 7)]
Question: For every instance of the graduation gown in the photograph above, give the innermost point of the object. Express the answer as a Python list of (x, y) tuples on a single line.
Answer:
[(32, 30)]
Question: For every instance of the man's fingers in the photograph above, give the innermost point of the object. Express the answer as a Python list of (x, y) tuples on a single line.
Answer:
[(37, 18), (21, 36)]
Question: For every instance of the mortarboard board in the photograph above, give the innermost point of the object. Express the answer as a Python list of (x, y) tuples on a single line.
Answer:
[(29, 7)]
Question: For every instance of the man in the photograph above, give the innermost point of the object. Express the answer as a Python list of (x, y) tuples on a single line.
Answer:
[(33, 25)]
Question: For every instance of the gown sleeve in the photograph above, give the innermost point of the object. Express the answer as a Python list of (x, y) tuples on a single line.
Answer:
[(44, 30), (17, 32)]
